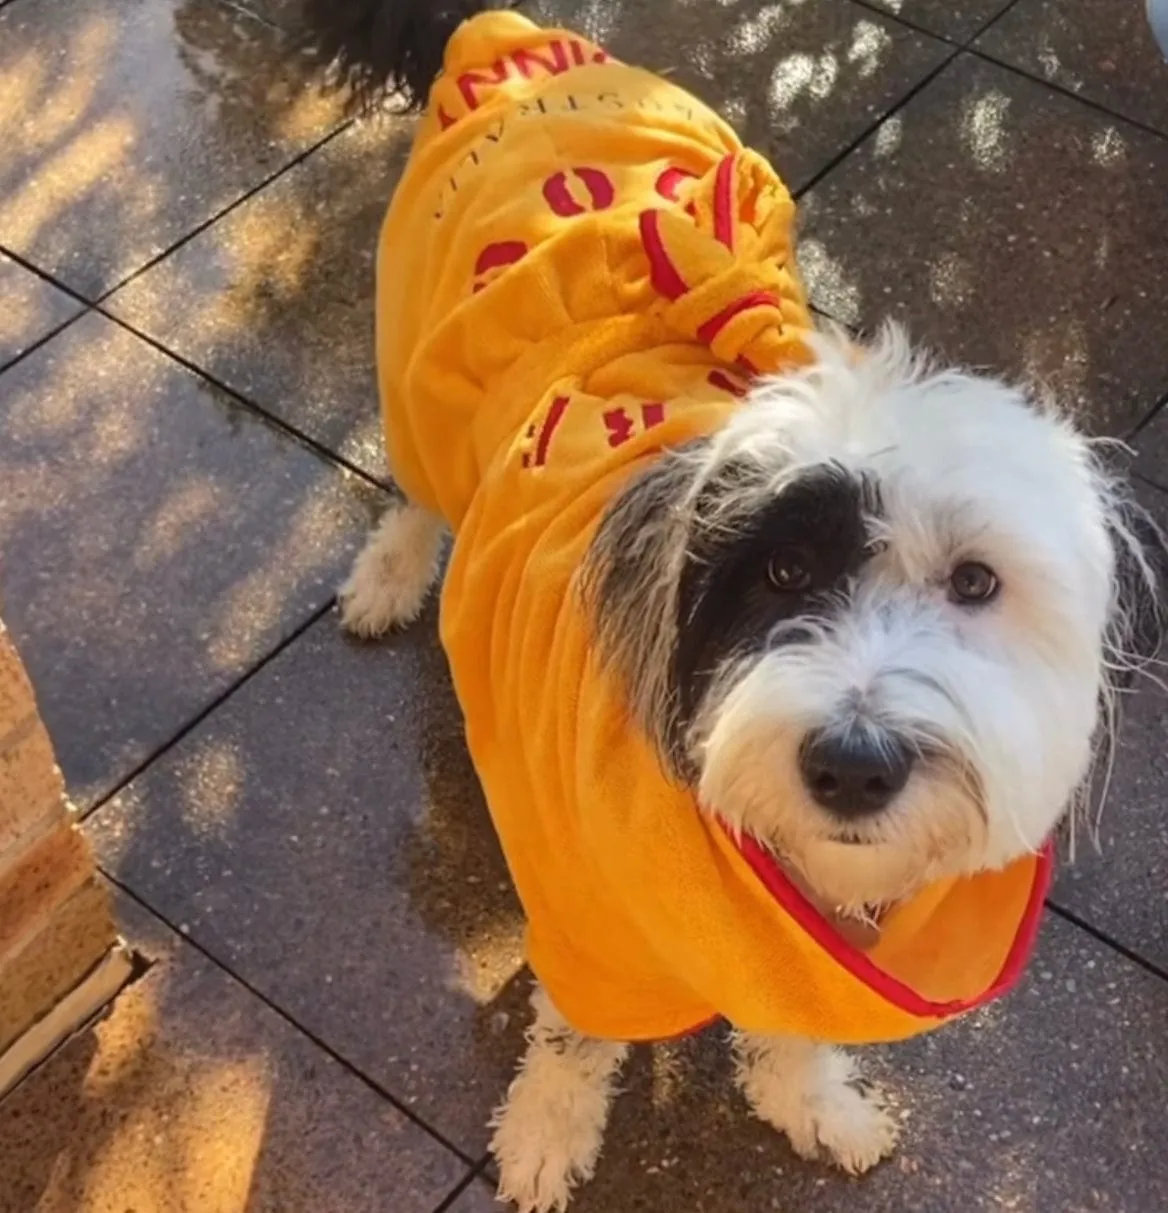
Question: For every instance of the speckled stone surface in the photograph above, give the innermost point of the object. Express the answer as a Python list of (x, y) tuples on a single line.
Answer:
[(1151, 446), (1012, 227), (124, 126), (320, 833), (32, 309), (798, 81), (276, 300), (191, 1096), (1101, 50), (1120, 886), (944, 17), (158, 540), (1050, 1100), (324, 835)]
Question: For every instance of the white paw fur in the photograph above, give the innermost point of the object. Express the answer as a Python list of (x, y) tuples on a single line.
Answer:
[(811, 1093), (549, 1129), (392, 576)]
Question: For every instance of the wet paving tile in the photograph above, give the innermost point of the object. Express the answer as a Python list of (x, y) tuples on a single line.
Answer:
[(192, 1096), (276, 299), (1101, 50), (32, 309), (1051, 1100), (1119, 882), (1151, 447), (323, 835), (1121, 886), (798, 81), (1011, 227), (124, 127), (956, 21), (158, 541)]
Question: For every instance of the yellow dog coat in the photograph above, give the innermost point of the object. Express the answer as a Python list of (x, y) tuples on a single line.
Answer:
[(580, 267)]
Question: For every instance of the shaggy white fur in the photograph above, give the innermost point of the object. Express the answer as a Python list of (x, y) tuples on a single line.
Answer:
[(997, 700)]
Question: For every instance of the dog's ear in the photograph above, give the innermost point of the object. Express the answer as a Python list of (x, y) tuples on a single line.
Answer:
[(1139, 621), (629, 586)]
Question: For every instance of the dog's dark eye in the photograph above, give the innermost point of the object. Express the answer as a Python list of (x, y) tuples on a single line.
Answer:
[(788, 571), (972, 582)]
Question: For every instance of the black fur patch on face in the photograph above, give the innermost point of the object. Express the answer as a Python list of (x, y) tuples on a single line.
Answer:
[(676, 586), (729, 603)]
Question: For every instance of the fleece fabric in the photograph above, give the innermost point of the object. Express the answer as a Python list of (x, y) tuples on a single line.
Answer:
[(583, 266)]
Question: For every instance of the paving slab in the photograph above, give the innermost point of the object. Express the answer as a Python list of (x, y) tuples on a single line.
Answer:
[(1096, 48), (1119, 882), (800, 82), (1014, 228), (32, 309), (276, 299), (957, 21), (158, 541), (322, 834), (1050, 1100), (1151, 451), (123, 127), (192, 1096)]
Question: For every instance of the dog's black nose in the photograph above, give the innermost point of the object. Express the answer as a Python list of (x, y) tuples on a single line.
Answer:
[(854, 773)]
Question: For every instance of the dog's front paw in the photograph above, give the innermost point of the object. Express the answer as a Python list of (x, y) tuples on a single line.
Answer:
[(841, 1119), (812, 1094), (547, 1138)]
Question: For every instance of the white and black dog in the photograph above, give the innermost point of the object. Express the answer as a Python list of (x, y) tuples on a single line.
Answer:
[(877, 622)]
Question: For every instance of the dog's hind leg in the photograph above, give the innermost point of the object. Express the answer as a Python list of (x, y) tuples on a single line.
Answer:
[(391, 577), (811, 1092), (549, 1129)]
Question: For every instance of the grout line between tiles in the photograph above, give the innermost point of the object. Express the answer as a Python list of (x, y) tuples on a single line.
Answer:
[(41, 272), (205, 711), (1063, 91), (44, 339), (902, 20), (839, 157), (275, 1007), (956, 46), (287, 166), (103, 296), (955, 51), (1109, 941), (468, 1180), (990, 21), (1147, 420), (271, 418), (1150, 482)]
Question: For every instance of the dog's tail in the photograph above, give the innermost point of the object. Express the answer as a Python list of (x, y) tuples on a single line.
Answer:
[(379, 48)]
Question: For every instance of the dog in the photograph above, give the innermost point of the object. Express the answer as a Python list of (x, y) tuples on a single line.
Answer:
[(780, 652)]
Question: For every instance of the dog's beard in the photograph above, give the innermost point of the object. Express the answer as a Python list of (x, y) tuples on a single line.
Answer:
[(974, 798), (886, 480)]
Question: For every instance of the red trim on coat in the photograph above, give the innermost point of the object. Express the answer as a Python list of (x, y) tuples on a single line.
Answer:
[(864, 969)]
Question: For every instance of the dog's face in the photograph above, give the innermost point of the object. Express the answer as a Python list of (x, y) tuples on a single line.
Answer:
[(872, 620)]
